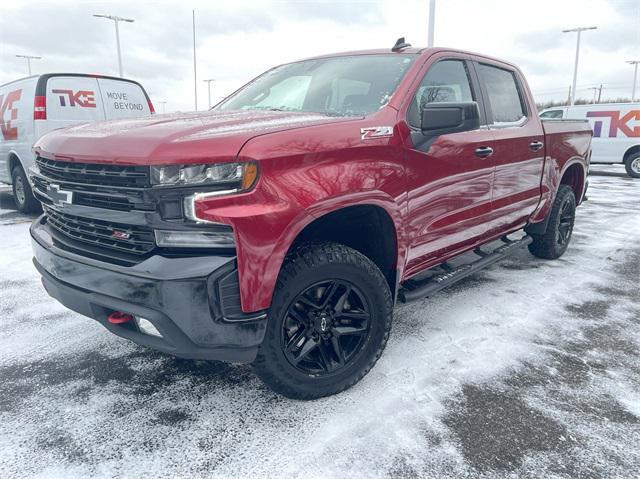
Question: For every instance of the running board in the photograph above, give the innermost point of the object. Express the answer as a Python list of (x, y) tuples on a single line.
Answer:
[(451, 276)]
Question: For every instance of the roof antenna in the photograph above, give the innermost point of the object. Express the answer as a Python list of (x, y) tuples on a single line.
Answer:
[(400, 44)]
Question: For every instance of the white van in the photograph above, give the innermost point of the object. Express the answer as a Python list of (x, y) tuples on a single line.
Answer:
[(616, 131), (33, 106)]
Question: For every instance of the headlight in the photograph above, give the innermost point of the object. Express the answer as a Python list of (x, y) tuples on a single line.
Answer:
[(195, 239), (235, 176)]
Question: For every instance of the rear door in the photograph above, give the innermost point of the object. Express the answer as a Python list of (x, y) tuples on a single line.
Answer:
[(123, 99), (518, 146), (71, 100)]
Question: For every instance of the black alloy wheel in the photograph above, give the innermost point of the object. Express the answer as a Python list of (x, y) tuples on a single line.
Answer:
[(554, 241), (325, 327), (329, 321), (567, 218)]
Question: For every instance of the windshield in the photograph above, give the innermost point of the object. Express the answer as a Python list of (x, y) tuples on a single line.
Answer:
[(342, 86)]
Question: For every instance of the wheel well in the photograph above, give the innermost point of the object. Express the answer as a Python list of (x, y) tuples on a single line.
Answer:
[(13, 162), (630, 151), (366, 228), (574, 177)]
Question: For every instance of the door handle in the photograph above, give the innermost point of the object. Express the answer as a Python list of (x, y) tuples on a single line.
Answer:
[(484, 151), (536, 145)]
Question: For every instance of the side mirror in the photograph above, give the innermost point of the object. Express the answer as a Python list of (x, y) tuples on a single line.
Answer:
[(442, 118)]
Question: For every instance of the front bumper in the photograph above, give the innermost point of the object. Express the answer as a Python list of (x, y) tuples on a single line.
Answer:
[(194, 302)]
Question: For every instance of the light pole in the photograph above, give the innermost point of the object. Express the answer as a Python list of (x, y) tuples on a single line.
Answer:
[(575, 67), (32, 57), (208, 82), (195, 71), (635, 77), (595, 90), (117, 19), (432, 21)]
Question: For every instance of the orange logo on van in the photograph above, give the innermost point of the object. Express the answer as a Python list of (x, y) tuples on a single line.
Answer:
[(83, 98), (9, 132), (616, 123)]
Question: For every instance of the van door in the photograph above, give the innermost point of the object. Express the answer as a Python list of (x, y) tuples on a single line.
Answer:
[(16, 125), (123, 99), (72, 100)]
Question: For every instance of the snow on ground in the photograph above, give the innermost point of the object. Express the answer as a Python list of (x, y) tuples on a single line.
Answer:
[(529, 368)]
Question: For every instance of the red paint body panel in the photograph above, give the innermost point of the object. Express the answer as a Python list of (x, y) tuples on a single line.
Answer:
[(441, 202)]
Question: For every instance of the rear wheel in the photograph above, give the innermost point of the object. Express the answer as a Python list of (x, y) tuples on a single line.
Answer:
[(22, 194), (632, 165), (328, 324), (554, 242)]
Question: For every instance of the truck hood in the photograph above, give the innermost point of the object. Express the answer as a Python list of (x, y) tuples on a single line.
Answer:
[(163, 139)]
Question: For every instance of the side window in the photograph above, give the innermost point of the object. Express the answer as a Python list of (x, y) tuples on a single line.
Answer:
[(505, 100), (446, 81), (551, 114)]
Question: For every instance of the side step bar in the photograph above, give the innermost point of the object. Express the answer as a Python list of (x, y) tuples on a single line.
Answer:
[(451, 276)]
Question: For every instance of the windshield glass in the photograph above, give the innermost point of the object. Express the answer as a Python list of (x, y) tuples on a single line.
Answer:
[(351, 85)]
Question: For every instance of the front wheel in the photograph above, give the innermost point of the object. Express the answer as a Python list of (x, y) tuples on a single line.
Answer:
[(22, 194), (329, 322), (554, 242), (632, 165)]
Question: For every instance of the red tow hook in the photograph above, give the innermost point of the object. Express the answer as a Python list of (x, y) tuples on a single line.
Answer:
[(118, 317)]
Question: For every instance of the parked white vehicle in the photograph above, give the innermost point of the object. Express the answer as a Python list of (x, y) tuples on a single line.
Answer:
[(33, 106), (616, 131)]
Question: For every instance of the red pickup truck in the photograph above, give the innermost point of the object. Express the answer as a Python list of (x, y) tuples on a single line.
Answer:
[(280, 227)]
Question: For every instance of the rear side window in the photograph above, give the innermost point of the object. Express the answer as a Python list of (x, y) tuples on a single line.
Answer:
[(551, 114), (505, 99), (122, 99), (73, 99), (446, 82)]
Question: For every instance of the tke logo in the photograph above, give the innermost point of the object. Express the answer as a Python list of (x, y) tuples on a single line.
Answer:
[(82, 98), (9, 132), (615, 123)]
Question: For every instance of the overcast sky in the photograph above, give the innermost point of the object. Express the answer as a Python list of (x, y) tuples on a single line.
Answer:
[(236, 40)]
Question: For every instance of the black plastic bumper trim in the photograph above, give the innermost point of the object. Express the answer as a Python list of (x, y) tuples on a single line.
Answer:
[(185, 309)]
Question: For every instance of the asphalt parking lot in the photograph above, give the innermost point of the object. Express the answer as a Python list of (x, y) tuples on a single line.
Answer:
[(527, 369)]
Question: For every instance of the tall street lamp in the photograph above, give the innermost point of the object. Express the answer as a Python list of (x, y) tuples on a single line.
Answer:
[(579, 30), (635, 77), (208, 82), (432, 22), (32, 57), (117, 19)]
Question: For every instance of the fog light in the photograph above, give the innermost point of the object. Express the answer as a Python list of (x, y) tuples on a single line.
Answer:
[(195, 239), (145, 326)]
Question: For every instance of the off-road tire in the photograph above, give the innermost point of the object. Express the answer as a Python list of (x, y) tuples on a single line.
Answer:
[(22, 195), (548, 245), (632, 165), (304, 267)]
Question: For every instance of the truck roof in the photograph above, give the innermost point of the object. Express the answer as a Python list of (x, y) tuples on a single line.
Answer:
[(411, 51)]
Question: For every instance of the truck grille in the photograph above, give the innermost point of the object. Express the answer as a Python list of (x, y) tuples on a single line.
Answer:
[(137, 240), (85, 198), (94, 173)]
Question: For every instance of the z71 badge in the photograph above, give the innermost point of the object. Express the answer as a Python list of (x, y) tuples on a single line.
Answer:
[(372, 132)]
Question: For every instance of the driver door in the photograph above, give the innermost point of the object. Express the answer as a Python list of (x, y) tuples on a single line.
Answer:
[(450, 176)]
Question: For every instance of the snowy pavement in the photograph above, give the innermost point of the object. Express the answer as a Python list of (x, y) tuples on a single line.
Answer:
[(528, 369)]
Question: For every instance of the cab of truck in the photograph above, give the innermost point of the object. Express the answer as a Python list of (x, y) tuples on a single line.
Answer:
[(34, 106)]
